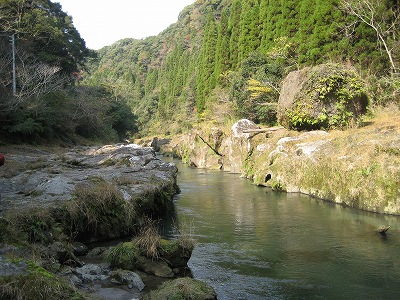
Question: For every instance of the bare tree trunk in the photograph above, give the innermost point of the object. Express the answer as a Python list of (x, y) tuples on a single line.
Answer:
[(366, 11), (31, 79)]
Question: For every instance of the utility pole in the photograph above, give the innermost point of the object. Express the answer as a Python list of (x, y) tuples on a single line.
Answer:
[(14, 79)]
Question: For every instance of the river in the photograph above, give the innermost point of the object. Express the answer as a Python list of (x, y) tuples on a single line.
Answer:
[(253, 243)]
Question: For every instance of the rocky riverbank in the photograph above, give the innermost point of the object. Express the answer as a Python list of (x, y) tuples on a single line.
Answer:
[(358, 167), (55, 201)]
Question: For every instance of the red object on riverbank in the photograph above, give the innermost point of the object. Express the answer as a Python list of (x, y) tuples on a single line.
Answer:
[(1, 159)]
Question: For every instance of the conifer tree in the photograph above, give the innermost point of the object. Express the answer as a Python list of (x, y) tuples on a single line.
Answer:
[(306, 10), (326, 18), (383, 18), (222, 50), (206, 80), (151, 81), (249, 39), (162, 105), (270, 14), (137, 87), (291, 20), (234, 29)]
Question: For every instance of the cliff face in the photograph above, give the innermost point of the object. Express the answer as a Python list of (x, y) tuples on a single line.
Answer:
[(359, 168)]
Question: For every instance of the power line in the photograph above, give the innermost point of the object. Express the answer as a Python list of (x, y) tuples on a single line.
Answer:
[(14, 81)]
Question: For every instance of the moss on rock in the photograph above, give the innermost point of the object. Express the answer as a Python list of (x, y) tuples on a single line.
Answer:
[(37, 283), (182, 289), (124, 256)]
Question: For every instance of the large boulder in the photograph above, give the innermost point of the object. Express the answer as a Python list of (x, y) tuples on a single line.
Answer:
[(325, 96)]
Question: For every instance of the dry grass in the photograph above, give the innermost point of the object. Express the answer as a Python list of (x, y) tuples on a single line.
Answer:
[(149, 239), (186, 233), (34, 226), (97, 208), (181, 289), (126, 180), (100, 208)]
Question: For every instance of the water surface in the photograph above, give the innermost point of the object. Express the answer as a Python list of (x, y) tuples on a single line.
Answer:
[(253, 243)]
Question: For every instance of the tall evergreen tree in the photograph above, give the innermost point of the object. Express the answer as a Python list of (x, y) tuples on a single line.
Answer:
[(323, 44), (304, 33), (206, 80), (289, 23), (270, 14), (382, 17), (222, 50), (162, 105), (151, 81), (249, 38), (234, 29)]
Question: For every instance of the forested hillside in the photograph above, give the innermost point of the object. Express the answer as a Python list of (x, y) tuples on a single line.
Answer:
[(227, 58), (41, 57), (222, 60)]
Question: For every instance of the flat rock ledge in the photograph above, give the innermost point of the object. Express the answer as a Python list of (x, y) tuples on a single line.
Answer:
[(33, 178)]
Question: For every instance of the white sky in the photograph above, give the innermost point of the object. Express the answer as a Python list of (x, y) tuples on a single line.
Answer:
[(103, 22)]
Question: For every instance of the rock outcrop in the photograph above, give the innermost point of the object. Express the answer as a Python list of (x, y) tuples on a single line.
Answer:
[(37, 178), (359, 168)]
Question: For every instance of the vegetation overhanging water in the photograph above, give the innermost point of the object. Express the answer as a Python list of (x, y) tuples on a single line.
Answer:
[(255, 244)]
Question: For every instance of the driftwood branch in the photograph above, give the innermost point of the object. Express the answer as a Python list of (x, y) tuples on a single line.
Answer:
[(383, 229), (211, 147), (261, 130)]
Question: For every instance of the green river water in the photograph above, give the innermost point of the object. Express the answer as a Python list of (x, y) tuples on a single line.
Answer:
[(253, 243)]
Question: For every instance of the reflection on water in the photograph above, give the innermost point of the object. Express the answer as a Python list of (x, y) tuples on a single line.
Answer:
[(257, 244)]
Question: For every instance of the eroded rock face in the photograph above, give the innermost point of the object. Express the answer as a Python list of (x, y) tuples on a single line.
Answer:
[(325, 96), (337, 166), (217, 149)]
